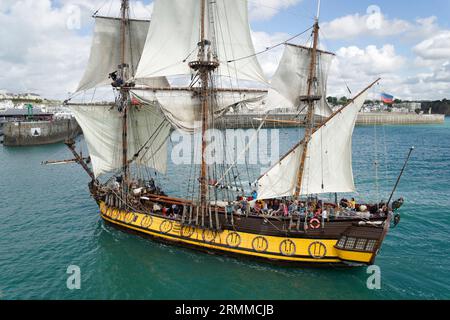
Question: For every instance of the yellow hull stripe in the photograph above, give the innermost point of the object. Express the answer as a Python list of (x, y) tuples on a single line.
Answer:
[(267, 247)]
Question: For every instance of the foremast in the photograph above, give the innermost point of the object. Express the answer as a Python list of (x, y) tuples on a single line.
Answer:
[(310, 99), (204, 65)]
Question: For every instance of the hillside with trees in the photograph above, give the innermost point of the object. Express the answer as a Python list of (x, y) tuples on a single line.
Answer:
[(439, 106)]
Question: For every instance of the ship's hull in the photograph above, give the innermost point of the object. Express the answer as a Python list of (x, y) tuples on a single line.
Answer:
[(313, 247)]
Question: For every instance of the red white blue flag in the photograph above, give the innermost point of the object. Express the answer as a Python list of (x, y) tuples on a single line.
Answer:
[(387, 98)]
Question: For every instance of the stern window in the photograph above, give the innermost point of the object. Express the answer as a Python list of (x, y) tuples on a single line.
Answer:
[(360, 244), (350, 243), (371, 245), (341, 242)]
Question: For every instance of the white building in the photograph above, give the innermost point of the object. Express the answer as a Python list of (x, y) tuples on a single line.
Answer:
[(407, 106), (29, 96)]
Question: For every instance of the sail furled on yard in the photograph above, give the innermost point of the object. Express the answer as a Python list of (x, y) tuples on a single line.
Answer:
[(290, 81), (105, 56), (175, 32), (328, 164), (182, 107), (102, 129)]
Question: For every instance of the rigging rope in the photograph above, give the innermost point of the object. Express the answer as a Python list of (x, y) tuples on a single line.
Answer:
[(377, 189), (245, 149), (272, 47)]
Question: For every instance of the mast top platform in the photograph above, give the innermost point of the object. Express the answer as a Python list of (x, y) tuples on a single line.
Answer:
[(204, 65), (310, 98)]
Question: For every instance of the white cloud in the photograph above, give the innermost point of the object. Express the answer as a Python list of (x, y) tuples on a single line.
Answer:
[(424, 27), (138, 9), (40, 52), (356, 67), (269, 60), (432, 56), (440, 74), (436, 47), (266, 9), (371, 60), (425, 76), (356, 25), (370, 25)]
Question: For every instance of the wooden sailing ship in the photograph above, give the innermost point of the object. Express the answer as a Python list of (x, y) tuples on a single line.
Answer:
[(210, 42)]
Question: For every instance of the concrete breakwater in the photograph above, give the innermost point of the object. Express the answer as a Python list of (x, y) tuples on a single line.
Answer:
[(39, 132), (398, 118), (235, 121)]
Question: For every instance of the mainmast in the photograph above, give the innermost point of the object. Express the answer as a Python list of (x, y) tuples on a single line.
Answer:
[(124, 91), (310, 99), (204, 66)]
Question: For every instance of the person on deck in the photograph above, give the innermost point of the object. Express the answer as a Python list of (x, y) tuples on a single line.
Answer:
[(333, 212), (311, 212), (325, 215), (285, 210), (343, 203), (293, 207), (151, 184), (229, 209), (257, 207), (239, 209), (302, 210), (116, 185), (318, 212), (302, 206), (265, 208), (117, 81), (275, 205), (175, 210), (244, 205), (352, 204)]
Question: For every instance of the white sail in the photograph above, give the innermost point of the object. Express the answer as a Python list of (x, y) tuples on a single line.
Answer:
[(281, 179), (290, 81), (102, 129), (328, 165), (105, 56), (182, 108), (174, 34)]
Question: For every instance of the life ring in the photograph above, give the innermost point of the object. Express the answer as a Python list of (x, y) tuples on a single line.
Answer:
[(314, 223)]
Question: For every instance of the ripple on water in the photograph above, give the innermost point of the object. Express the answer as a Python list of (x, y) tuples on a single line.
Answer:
[(49, 222)]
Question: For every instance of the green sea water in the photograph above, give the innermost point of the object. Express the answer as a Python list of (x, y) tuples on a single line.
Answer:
[(49, 222)]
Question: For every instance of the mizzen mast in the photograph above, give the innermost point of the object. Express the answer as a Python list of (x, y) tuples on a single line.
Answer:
[(310, 99), (204, 66)]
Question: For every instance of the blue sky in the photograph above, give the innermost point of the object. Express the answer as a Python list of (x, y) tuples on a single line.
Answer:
[(407, 43)]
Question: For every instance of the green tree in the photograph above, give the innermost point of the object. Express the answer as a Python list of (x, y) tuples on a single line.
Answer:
[(343, 100), (332, 100)]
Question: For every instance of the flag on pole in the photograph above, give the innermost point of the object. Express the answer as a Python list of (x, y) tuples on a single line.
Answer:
[(387, 98)]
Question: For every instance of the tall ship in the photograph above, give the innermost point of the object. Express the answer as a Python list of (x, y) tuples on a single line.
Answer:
[(206, 46)]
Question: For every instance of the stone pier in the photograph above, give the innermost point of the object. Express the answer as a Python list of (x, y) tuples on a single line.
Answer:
[(39, 132)]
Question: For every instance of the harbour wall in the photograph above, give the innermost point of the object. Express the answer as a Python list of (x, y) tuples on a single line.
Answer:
[(39, 132), (245, 121), (398, 118)]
